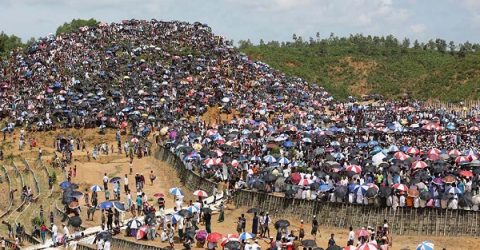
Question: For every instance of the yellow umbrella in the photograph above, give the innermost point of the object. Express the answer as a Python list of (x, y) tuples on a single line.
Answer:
[(164, 131), (197, 146)]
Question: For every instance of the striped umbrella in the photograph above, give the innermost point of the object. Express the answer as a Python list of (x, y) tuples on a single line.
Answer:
[(463, 159), (401, 156), (96, 188), (434, 151), (426, 245), (283, 160), (354, 168), (454, 152), (419, 165), (246, 236), (305, 182), (400, 187), (176, 191), (412, 151), (200, 193), (368, 246), (269, 159)]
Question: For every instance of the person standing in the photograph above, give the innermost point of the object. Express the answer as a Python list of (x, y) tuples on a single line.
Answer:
[(109, 220), (66, 234), (255, 224), (351, 237), (54, 234), (105, 182), (152, 177), (208, 224), (266, 228), (125, 184), (243, 223), (170, 234), (43, 232), (106, 246), (314, 226), (3, 244), (331, 241)]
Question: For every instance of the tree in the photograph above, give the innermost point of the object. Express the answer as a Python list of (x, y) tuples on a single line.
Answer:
[(416, 45), (318, 36), (76, 24), (242, 44), (8, 43), (294, 37), (406, 43), (262, 43), (441, 45), (451, 47)]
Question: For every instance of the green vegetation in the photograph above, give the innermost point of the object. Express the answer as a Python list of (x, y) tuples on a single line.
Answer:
[(8, 43), (359, 65), (76, 24)]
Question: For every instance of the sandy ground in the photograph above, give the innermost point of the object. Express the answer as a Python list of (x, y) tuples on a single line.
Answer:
[(91, 172)]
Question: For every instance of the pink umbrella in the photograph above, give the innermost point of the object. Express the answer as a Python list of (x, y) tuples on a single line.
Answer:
[(295, 178), (354, 168), (419, 165), (474, 129), (412, 151), (434, 151), (235, 163), (462, 159), (466, 173), (368, 246), (400, 187), (454, 152), (305, 182), (363, 233), (142, 232), (401, 156), (134, 140), (200, 193)]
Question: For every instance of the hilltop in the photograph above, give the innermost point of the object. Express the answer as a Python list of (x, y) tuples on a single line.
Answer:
[(362, 65)]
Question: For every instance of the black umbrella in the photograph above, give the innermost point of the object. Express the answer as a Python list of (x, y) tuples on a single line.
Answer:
[(270, 177), (394, 169), (185, 213), (465, 200), (309, 243), (75, 221), (190, 233), (207, 210), (371, 192), (232, 245), (384, 192), (335, 247), (253, 210), (282, 224), (341, 191), (115, 179), (75, 194), (104, 235)]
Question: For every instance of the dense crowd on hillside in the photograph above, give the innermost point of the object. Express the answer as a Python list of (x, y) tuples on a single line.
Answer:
[(286, 135)]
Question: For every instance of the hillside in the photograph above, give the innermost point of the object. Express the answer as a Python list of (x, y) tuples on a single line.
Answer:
[(361, 65)]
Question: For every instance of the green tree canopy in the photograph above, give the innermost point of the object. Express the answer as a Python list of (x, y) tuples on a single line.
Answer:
[(75, 24), (7, 43)]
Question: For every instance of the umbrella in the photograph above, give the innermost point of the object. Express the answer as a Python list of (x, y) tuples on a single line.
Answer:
[(449, 179), (426, 245), (214, 237), (193, 209), (368, 246), (115, 179), (371, 192), (384, 192), (270, 177), (425, 195), (340, 191), (466, 173), (159, 195), (64, 185), (185, 213), (96, 188), (120, 206), (354, 168), (201, 235), (175, 191), (200, 193), (142, 232), (363, 233), (103, 235), (269, 159), (282, 224), (413, 192), (75, 221), (401, 156), (73, 205), (134, 223), (400, 187), (419, 165), (76, 194), (305, 182), (335, 247), (232, 245), (253, 210), (454, 190), (246, 236), (105, 205), (309, 243)]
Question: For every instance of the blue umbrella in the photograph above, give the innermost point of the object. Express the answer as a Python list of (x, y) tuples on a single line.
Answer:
[(426, 245), (246, 236), (325, 188), (96, 188), (454, 190), (175, 191), (255, 158), (105, 205), (360, 188), (362, 145), (269, 159), (283, 160), (335, 144), (404, 148), (393, 148), (372, 143), (119, 206), (65, 185), (288, 144)]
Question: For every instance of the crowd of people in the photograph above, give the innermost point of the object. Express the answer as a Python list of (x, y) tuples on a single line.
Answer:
[(283, 135)]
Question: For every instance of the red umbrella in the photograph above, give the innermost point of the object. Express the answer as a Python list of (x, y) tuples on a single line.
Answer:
[(433, 157), (368, 246), (401, 156), (158, 195), (466, 173), (354, 168), (449, 179), (305, 182), (400, 187), (200, 193), (412, 151), (363, 233), (419, 165), (142, 232), (461, 159), (434, 151), (295, 177), (454, 152), (214, 237), (474, 129)]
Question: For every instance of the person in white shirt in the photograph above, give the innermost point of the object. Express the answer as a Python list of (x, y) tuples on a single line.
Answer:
[(66, 232), (125, 184), (351, 237), (255, 246), (106, 246), (416, 202), (453, 203), (248, 246), (54, 234), (100, 245), (402, 201)]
